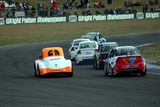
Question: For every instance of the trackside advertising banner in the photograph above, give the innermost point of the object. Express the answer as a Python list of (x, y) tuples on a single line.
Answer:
[(140, 15), (152, 15), (92, 18), (120, 17), (2, 21), (35, 20), (74, 18)]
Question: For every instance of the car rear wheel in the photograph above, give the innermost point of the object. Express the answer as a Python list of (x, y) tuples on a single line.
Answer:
[(95, 63), (144, 73), (35, 70), (106, 72), (38, 72), (71, 74), (101, 65), (110, 71)]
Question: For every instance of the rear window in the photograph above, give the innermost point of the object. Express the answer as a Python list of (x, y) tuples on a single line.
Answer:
[(76, 43), (88, 45), (106, 48), (127, 52)]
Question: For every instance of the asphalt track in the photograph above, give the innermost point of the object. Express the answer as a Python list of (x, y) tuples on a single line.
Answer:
[(88, 87)]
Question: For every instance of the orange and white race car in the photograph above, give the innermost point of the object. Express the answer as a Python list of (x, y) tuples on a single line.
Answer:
[(52, 61)]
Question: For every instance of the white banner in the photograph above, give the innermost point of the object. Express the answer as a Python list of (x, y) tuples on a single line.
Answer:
[(2, 21), (51, 19), (140, 15), (92, 18), (120, 17), (29, 20), (152, 15), (99, 17), (85, 18), (13, 20), (72, 18)]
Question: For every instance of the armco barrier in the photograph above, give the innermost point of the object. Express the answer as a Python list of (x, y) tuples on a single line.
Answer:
[(74, 18)]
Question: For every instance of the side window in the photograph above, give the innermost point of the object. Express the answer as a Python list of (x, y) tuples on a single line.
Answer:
[(56, 52), (50, 53), (111, 53), (114, 53)]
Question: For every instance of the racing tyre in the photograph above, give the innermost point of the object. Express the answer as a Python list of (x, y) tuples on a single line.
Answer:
[(106, 73), (144, 73), (35, 70), (38, 71), (101, 65), (95, 64), (110, 72), (70, 74)]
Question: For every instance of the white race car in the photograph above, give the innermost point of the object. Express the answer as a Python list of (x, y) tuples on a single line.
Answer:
[(74, 46), (97, 36), (86, 51), (52, 61)]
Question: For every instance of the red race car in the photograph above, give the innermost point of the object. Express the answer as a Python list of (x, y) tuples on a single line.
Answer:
[(125, 60)]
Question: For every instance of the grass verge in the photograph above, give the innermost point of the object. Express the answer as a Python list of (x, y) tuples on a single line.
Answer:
[(152, 54), (29, 33)]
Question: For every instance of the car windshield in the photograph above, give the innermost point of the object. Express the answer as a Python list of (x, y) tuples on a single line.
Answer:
[(87, 45), (106, 48), (127, 52)]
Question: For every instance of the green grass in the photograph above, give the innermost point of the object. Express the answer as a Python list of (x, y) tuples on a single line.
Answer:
[(28, 33), (152, 54)]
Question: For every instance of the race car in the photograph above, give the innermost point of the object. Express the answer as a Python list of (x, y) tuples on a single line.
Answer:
[(97, 36), (74, 46), (52, 61), (85, 51), (102, 54), (125, 60)]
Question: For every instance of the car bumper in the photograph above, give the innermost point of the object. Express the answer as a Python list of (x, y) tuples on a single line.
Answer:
[(138, 69), (45, 71), (80, 59), (128, 71)]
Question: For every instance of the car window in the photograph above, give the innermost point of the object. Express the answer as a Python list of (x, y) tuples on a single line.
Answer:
[(111, 53), (76, 43), (106, 48), (127, 52), (87, 45)]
